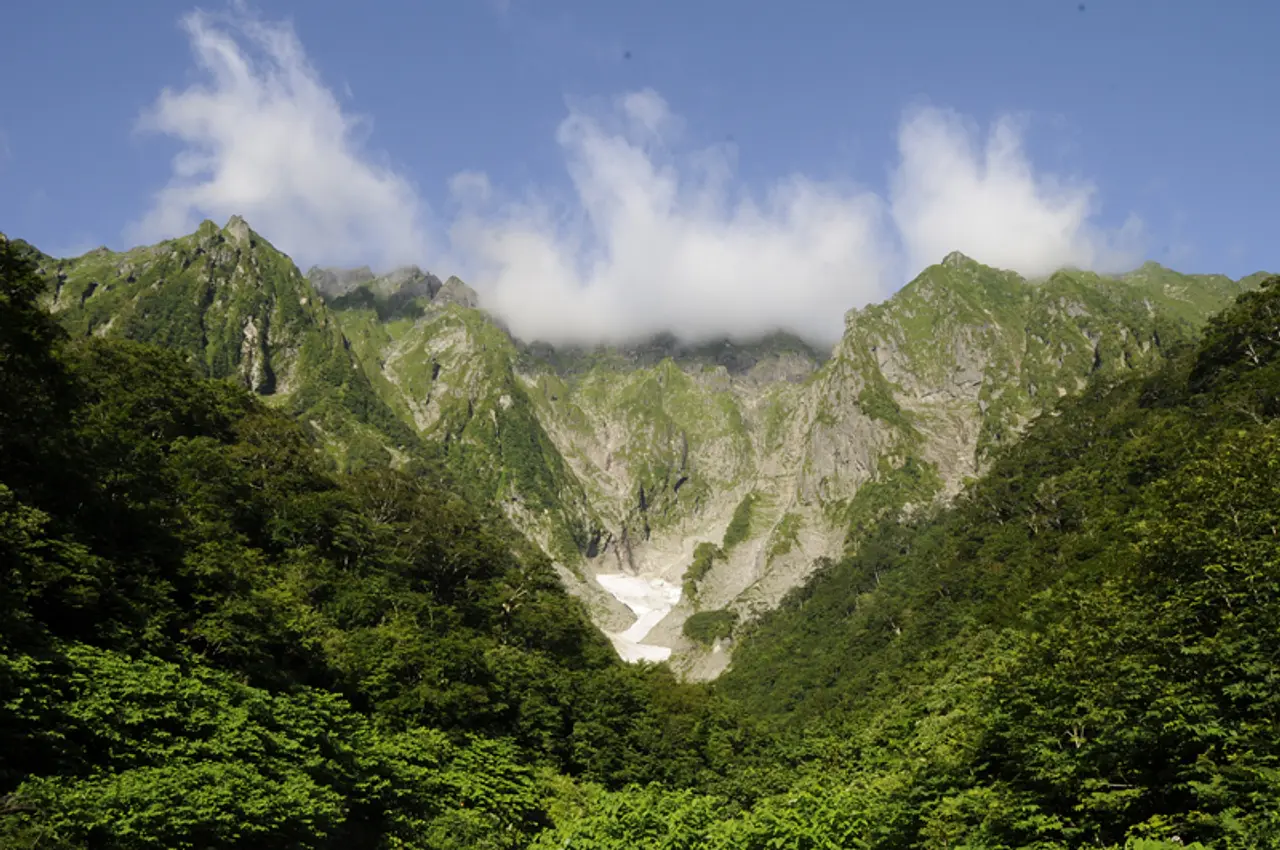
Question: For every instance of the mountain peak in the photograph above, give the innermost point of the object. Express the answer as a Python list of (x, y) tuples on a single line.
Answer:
[(455, 291), (1149, 269), (957, 260), (410, 280), (333, 282), (238, 230)]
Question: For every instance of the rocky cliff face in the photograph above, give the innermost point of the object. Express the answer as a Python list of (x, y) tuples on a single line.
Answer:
[(725, 469)]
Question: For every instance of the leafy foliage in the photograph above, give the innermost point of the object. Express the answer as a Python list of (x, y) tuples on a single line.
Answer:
[(705, 555), (706, 627), (209, 639), (740, 523)]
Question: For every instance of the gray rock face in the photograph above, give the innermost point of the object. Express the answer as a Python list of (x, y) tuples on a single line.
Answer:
[(334, 282), (404, 281), (455, 291), (789, 367), (237, 230), (408, 282)]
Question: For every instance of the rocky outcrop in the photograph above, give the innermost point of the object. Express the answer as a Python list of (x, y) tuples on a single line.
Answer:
[(404, 281), (456, 292), (408, 282), (335, 282)]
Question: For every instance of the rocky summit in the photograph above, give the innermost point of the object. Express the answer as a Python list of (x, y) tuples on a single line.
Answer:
[(681, 488)]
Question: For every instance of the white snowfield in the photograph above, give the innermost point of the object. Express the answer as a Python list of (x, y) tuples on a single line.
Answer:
[(650, 599)]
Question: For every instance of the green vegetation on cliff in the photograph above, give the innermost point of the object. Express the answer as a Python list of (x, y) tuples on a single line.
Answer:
[(1081, 652), (213, 636), (705, 555), (740, 523), (208, 638), (239, 309), (706, 627), (449, 373), (1021, 343)]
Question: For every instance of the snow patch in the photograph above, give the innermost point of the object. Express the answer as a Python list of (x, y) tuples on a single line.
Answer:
[(650, 599)]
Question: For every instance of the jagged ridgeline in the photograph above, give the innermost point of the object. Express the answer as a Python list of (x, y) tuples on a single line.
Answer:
[(726, 469)]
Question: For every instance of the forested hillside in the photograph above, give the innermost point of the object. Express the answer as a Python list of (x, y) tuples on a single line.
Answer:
[(215, 634), (209, 637)]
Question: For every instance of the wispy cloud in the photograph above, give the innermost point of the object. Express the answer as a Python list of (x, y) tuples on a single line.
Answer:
[(654, 241), (263, 137), (653, 236), (953, 189)]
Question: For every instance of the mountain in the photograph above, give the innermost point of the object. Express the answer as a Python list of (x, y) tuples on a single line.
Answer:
[(723, 470), (651, 451), (216, 631), (1080, 650), (405, 282)]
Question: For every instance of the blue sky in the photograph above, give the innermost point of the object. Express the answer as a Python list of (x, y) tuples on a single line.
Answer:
[(625, 166)]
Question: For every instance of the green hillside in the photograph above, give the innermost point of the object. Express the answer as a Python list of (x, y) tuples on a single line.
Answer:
[(240, 309), (209, 638), (213, 636), (623, 459)]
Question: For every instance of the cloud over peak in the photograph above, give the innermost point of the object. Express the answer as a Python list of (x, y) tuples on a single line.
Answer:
[(263, 137), (653, 241), (652, 236), (953, 191)]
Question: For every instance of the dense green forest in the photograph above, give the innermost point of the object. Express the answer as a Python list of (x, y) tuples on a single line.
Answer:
[(211, 636)]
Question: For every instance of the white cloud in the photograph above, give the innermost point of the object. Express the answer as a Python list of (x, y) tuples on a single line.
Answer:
[(470, 187), (652, 241), (264, 138), (651, 237), (952, 192)]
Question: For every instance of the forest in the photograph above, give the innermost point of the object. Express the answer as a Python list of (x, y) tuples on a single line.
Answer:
[(212, 637)]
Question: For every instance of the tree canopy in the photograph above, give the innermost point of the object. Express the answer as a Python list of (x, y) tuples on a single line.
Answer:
[(211, 637)]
